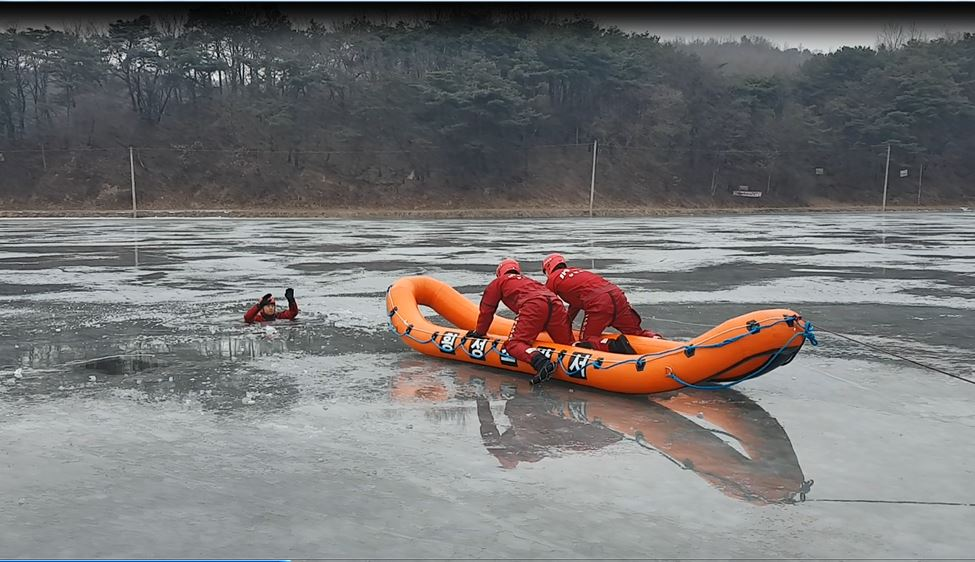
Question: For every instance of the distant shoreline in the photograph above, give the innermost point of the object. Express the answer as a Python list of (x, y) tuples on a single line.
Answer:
[(520, 213)]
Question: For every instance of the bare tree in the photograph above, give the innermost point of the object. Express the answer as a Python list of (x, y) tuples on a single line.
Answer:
[(916, 34), (892, 36)]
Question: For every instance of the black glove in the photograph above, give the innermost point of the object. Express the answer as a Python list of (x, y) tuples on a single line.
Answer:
[(474, 334), (543, 366), (621, 345), (265, 300), (289, 294)]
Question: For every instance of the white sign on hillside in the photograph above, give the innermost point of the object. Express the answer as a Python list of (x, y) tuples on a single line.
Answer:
[(743, 191)]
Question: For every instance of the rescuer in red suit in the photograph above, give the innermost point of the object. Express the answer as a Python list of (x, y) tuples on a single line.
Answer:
[(603, 305), (537, 308)]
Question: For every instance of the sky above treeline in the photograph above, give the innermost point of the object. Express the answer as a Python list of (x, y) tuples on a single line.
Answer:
[(822, 28), (787, 34)]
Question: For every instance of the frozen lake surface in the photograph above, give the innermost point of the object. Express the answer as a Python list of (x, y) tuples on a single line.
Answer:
[(140, 417)]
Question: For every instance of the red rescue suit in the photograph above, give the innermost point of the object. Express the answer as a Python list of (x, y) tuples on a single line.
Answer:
[(256, 314), (537, 308), (602, 302)]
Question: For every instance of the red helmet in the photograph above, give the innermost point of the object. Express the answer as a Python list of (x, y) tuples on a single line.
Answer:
[(549, 263), (506, 265)]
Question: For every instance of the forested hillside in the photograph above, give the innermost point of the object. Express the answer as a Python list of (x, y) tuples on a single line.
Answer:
[(240, 106)]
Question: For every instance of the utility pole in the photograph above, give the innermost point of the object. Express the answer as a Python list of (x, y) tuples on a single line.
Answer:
[(920, 174), (592, 182), (132, 174), (883, 208)]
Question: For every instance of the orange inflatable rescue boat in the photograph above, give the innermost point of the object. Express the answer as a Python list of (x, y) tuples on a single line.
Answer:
[(737, 350)]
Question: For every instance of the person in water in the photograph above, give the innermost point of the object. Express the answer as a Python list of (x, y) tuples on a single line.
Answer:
[(537, 309), (266, 310), (603, 305)]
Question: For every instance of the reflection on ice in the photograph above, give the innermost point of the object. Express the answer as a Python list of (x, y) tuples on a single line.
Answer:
[(725, 438)]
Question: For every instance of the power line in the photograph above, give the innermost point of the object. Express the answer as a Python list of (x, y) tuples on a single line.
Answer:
[(587, 146), (238, 150)]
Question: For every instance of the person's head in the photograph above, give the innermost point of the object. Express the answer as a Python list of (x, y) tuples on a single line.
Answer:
[(508, 265), (270, 309), (552, 263)]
